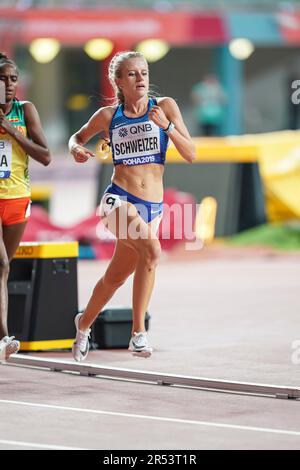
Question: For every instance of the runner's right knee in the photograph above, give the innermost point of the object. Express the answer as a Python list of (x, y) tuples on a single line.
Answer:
[(150, 252)]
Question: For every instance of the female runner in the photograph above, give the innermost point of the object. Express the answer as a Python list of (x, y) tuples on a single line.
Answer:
[(21, 135), (139, 128)]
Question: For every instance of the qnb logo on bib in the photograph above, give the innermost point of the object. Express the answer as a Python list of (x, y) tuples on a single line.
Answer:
[(5, 158), (123, 132), (136, 140)]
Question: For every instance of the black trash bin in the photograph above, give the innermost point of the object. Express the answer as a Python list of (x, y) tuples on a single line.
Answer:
[(43, 295), (112, 328)]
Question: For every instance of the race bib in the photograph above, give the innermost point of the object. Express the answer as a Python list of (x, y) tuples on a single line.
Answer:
[(5, 158), (136, 140)]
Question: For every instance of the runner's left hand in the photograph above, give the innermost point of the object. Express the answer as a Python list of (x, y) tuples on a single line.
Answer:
[(157, 115)]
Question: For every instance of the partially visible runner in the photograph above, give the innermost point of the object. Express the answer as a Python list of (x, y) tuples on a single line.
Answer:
[(139, 128), (21, 135)]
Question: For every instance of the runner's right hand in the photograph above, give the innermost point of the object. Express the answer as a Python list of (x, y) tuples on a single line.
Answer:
[(81, 154)]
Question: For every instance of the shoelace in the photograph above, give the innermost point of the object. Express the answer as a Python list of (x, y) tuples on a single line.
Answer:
[(140, 339), (82, 339)]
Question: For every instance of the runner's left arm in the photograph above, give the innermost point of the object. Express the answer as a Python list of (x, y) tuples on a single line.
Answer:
[(168, 111), (36, 145)]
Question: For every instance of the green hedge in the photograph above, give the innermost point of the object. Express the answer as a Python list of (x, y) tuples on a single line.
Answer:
[(278, 236)]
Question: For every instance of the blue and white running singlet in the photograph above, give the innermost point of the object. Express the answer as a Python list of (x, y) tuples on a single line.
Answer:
[(137, 141)]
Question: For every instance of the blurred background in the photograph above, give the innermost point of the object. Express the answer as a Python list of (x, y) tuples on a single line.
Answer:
[(228, 308), (234, 69)]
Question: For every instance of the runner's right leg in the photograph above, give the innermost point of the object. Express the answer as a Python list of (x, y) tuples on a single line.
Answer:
[(122, 264)]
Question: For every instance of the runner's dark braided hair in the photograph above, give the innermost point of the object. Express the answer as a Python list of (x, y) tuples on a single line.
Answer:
[(5, 60)]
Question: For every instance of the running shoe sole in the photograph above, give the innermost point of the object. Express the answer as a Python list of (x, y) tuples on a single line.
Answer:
[(142, 353)]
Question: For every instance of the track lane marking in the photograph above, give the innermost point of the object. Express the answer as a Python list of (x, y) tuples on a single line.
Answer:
[(38, 446), (154, 418)]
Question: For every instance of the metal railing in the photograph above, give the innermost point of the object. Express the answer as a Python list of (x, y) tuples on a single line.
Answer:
[(158, 378)]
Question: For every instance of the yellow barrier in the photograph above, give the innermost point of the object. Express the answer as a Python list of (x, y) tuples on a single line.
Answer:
[(216, 150), (41, 193), (279, 163), (47, 250)]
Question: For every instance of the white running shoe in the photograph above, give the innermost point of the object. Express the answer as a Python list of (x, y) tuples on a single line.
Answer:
[(8, 345), (139, 345), (81, 345)]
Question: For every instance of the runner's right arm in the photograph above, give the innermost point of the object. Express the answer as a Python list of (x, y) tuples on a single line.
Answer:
[(100, 121)]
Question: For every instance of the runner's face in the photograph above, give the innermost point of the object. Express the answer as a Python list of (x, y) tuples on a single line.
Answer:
[(9, 75), (134, 81)]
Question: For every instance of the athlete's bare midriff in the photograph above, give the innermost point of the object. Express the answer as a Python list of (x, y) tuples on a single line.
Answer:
[(143, 181)]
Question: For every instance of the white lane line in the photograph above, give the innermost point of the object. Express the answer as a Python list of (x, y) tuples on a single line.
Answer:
[(154, 418), (38, 446)]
